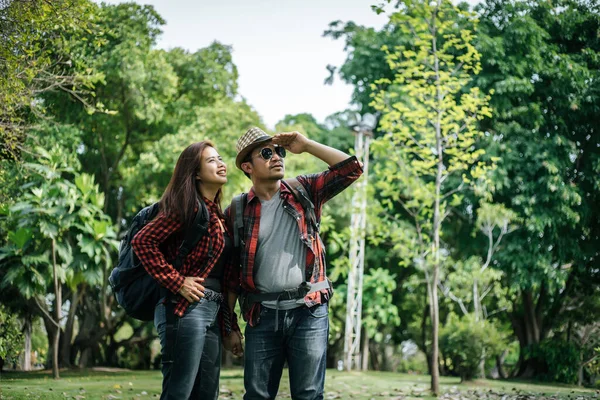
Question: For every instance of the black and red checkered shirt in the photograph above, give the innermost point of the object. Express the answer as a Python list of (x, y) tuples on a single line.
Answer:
[(321, 188), (158, 242)]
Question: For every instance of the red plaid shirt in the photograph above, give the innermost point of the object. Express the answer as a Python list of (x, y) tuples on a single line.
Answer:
[(159, 241), (321, 188)]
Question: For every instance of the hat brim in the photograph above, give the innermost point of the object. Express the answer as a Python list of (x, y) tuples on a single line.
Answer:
[(239, 159)]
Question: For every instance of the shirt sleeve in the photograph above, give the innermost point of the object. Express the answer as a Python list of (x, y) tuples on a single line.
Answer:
[(327, 184), (146, 245)]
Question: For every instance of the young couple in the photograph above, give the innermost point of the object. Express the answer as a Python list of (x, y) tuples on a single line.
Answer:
[(278, 270)]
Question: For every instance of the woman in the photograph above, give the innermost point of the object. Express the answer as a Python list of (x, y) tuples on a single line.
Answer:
[(186, 318)]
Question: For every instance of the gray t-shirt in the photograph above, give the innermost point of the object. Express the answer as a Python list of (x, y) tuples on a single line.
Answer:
[(280, 259)]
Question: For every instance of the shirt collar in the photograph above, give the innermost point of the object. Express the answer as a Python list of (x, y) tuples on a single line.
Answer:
[(252, 194), (211, 205)]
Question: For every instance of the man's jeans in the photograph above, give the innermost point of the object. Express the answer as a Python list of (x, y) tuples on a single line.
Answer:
[(301, 340), (191, 360)]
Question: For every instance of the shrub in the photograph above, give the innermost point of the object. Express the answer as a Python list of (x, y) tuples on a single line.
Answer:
[(464, 342), (11, 338), (557, 360)]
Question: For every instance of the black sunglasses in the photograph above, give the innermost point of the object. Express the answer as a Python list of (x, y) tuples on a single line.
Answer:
[(266, 153)]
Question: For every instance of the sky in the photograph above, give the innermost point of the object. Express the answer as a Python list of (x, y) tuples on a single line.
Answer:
[(278, 47)]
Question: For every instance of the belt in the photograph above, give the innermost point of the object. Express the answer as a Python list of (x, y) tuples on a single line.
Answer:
[(209, 295), (298, 293)]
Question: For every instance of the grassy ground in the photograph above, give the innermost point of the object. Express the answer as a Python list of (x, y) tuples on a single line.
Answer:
[(99, 384)]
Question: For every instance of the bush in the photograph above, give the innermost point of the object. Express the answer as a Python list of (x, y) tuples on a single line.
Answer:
[(557, 360), (11, 338), (464, 342)]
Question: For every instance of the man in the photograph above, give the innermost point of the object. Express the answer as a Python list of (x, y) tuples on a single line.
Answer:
[(284, 289)]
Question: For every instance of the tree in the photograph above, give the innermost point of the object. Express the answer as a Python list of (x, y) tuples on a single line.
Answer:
[(38, 40), (469, 282), (430, 153), (540, 58), (365, 63), (136, 91), (60, 235)]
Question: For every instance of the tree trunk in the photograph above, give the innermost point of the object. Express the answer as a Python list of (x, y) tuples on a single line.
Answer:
[(482, 366), (527, 325), (424, 337), (365, 351), (374, 351), (437, 218), (433, 310), (66, 358), (500, 364), (57, 309), (27, 351)]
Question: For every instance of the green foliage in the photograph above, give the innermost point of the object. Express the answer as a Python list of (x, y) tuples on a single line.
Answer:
[(11, 338), (558, 360), (430, 152), (39, 57), (465, 342), (365, 62), (416, 364), (204, 77), (379, 313), (53, 209)]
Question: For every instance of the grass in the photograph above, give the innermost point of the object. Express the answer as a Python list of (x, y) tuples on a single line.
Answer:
[(123, 384)]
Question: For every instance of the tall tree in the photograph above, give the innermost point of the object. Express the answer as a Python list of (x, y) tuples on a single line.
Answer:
[(430, 153), (137, 88), (541, 58)]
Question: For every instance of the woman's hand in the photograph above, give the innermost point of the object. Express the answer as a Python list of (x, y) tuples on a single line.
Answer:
[(192, 290), (233, 343)]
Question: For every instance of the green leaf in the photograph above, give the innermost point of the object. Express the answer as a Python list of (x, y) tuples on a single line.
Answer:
[(20, 237)]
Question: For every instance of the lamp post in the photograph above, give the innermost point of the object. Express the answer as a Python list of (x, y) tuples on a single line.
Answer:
[(363, 129)]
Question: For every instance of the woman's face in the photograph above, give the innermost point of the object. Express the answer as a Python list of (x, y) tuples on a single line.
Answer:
[(213, 170)]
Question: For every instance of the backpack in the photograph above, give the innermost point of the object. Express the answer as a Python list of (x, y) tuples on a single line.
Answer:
[(135, 290)]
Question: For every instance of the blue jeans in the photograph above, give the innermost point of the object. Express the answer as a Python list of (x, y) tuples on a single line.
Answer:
[(191, 360), (301, 340)]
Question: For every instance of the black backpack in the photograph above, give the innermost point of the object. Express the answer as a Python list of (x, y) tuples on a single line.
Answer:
[(135, 290)]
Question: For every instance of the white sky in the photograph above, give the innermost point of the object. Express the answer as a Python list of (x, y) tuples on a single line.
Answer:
[(278, 47)]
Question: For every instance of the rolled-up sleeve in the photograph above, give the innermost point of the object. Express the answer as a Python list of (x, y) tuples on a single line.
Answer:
[(327, 184)]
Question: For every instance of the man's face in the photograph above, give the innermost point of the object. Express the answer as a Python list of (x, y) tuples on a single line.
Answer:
[(266, 162)]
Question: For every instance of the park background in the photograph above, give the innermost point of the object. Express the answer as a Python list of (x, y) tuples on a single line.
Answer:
[(483, 191)]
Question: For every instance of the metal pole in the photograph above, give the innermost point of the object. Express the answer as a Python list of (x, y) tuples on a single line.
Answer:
[(352, 343)]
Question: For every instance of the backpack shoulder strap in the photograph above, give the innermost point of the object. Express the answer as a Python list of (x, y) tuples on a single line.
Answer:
[(236, 219), (193, 234), (300, 194)]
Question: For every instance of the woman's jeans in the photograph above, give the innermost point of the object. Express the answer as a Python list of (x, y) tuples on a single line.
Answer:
[(191, 351), (301, 340)]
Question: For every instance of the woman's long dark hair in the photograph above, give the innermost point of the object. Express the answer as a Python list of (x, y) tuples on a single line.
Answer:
[(181, 194)]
